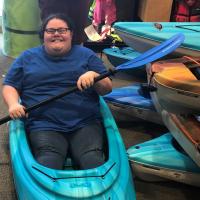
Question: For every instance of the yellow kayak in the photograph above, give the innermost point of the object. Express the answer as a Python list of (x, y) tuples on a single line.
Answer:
[(177, 87)]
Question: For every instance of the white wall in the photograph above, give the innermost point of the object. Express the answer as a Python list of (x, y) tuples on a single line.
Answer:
[(1, 7)]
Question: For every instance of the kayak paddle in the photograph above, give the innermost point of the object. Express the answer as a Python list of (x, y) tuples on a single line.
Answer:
[(153, 54)]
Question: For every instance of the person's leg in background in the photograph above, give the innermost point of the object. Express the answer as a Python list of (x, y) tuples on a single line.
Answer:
[(78, 12)]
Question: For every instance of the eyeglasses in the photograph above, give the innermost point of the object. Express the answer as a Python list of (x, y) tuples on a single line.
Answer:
[(59, 30)]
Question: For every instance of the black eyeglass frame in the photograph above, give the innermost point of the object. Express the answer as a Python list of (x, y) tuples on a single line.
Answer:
[(59, 30)]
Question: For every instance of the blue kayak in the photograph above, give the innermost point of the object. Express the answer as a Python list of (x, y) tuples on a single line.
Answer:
[(112, 180), (130, 102), (142, 36), (162, 159)]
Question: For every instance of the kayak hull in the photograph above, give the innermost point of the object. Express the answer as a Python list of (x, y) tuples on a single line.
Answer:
[(144, 35), (186, 131)]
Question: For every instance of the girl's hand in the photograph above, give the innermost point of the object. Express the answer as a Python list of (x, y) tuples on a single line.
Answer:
[(16, 111), (86, 80)]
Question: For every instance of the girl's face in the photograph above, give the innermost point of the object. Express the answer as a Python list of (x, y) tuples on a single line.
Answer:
[(57, 37), (190, 2)]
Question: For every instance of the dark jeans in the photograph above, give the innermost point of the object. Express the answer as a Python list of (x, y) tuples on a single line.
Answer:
[(85, 146)]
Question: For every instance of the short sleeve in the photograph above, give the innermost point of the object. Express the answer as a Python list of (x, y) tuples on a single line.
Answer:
[(96, 64)]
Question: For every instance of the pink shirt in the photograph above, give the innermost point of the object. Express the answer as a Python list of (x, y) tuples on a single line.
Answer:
[(104, 12)]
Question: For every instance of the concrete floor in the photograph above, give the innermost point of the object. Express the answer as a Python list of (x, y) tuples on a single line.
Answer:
[(133, 132)]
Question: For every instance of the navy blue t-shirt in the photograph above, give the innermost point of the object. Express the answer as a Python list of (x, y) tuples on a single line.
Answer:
[(38, 76)]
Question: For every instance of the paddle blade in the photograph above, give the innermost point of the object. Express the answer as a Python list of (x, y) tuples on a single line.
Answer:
[(155, 53)]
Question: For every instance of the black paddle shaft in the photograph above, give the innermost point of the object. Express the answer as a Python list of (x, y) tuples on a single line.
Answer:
[(66, 92), (147, 57)]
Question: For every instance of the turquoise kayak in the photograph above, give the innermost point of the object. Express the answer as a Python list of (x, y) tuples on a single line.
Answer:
[(112, 180), (162, 159), (128, 102), (142, 36), (118, 56)]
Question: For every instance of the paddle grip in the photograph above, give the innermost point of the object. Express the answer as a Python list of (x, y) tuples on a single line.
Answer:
[(5, 119), (102, 76)]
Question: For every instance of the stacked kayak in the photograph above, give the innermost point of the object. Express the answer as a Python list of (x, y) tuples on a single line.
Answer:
[(143, 35), (177, 99), (118, 56), (129, 102), (112, 180), (186, 130), (162, 159)]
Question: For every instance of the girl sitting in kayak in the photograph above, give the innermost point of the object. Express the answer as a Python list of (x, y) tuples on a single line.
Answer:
[(72, 123)]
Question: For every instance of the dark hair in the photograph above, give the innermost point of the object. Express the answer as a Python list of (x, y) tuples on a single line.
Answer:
[(63, 17)]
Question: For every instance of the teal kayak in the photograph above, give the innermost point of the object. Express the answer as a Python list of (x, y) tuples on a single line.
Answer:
[(118, 56), (142, 36), (112, 180), (162, 159)]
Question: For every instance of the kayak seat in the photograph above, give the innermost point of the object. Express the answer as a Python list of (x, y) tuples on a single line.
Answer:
[(129, 96), (68, 164)]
